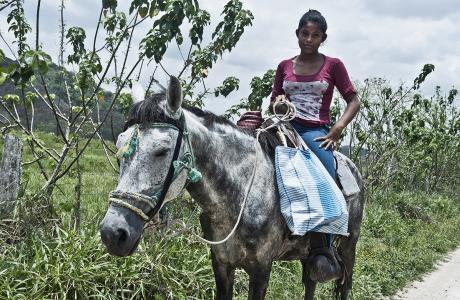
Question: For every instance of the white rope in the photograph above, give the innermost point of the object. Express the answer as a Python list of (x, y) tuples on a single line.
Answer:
[(139, 212), (290, 112), (248, 189), (288, 116)]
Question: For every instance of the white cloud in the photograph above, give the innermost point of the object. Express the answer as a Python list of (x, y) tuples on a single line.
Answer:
[(391, 39)]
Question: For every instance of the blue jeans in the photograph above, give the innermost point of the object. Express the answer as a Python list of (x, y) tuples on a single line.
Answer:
[(309, 134)]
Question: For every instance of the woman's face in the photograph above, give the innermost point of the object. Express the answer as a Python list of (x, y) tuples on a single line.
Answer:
[(310, 38)]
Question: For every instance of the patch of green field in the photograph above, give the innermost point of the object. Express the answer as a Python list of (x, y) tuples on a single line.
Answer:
[(403, 235)]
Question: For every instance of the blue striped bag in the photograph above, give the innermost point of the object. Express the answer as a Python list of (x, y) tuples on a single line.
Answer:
[(310, 199)]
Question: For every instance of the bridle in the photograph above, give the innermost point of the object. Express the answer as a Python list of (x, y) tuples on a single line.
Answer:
[(155, 201)]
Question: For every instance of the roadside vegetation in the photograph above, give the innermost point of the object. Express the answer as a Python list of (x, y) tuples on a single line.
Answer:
[(403, 235)]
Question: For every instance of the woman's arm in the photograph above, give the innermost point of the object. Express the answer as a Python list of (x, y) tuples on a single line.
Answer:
[(277, 89), (330, 140)]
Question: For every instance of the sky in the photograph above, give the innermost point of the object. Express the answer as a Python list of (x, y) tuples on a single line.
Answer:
[(392, 39)]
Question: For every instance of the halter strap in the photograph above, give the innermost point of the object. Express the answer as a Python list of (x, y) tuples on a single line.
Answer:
[(169, 177)]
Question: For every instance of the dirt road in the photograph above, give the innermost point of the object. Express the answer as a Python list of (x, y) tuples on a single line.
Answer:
[(443, 283)]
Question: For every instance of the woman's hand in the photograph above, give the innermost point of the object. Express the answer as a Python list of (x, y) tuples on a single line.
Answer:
[(281, 109), (331, 139), (281, 97)]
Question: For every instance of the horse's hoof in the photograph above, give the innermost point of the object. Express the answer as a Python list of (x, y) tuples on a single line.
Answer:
[(322, 269)]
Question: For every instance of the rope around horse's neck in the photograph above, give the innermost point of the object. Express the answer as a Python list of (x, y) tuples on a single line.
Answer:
[(248, 189), (288, 116)]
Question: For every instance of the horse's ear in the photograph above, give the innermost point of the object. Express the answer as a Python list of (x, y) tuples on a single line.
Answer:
[(174, 95)]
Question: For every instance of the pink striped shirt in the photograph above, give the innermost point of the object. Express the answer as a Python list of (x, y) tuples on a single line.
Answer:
[(312, 94)]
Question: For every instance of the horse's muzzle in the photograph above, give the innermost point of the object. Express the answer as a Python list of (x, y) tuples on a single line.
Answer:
[(121, 231)]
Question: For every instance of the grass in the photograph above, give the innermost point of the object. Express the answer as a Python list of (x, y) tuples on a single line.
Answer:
[(403, 235)]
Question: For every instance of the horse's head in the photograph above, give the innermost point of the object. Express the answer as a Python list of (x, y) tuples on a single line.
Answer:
[(155, 163)]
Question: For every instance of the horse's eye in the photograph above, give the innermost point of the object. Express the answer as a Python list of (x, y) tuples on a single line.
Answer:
[(162, 153)]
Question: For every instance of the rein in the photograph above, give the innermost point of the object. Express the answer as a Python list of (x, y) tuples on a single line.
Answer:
[(248, 189)]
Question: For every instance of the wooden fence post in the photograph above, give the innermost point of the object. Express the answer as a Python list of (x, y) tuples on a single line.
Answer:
[(10, 174)]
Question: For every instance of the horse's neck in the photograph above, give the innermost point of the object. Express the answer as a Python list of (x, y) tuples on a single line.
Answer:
[(225, 157)]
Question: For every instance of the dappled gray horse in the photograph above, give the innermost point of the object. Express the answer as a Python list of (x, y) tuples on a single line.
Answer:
[(159, 131)]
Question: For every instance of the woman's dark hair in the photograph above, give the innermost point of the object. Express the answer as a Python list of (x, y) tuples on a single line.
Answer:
[(313, 16)]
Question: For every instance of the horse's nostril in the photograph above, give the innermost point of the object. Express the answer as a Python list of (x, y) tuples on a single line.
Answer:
[(122, 235)]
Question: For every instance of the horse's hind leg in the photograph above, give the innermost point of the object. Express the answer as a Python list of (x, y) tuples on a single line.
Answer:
[(347, 252), (310, 285), (258, 281), (347, 247), (224, 276)]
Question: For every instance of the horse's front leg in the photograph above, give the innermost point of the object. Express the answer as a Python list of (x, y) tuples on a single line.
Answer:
[(224, 275), (258, 281), (310, 285)]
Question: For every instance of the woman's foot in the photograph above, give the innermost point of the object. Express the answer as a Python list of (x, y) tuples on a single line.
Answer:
[(323, 266)]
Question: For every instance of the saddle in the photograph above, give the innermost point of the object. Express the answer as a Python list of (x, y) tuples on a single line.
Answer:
[(324, 262), (288, 136)]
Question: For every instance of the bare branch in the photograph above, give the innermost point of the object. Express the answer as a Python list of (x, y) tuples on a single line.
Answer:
[(32, 161), (7, 127), (16, 112), (109, 63), (9, 47), (32, 117), (105, 148), (55, 176), (6, 5), (53, 108), (62, 33), (152, 80), (58, 111), (140, 71), (135, 24), (164, 70), (52, 179), (97, 31), (37, 29), (128, 47), (38, 160), (187, 62), (26, 131)]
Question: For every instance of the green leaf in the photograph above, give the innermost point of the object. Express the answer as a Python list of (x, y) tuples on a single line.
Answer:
[(43, 66), (11, 98), (77, 109), (101, 96), (3, 77), (143, 11), (153, 11), (179, 38), (31, 97), (109, 4)]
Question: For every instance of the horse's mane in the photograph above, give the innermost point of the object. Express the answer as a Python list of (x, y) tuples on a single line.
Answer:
[(149, 111)]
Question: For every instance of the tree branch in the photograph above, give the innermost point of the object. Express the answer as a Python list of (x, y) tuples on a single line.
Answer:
[(37, 30), (55, 176), (6, 5)]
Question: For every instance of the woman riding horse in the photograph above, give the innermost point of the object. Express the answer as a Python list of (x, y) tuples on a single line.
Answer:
[(308, 81)]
